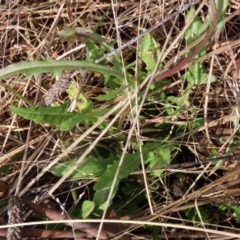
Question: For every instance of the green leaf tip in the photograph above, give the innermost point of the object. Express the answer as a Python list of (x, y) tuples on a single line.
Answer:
[(55, 66)]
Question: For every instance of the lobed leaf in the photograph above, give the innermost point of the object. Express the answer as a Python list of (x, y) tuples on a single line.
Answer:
[(57, 116)]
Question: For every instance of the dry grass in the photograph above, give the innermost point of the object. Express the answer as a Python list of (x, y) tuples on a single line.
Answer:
[(28, 151)]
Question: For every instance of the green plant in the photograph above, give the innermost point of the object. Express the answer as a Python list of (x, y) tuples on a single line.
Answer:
[(193, 215), (144, 124), (227, 207)]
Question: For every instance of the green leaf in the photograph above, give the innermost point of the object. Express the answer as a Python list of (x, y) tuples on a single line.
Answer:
[(196, 28), (236, 209), (51, 115), (195, 74), (93, 52), (74, 93), (104, 183), (100, 197), (194, 124), (192, 215), (149, 52), (93, 167), (160, 158), (89, 167), (112, 94), (132, 194), (56, 67), (87, 208), (130, 162), (57, 116)]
